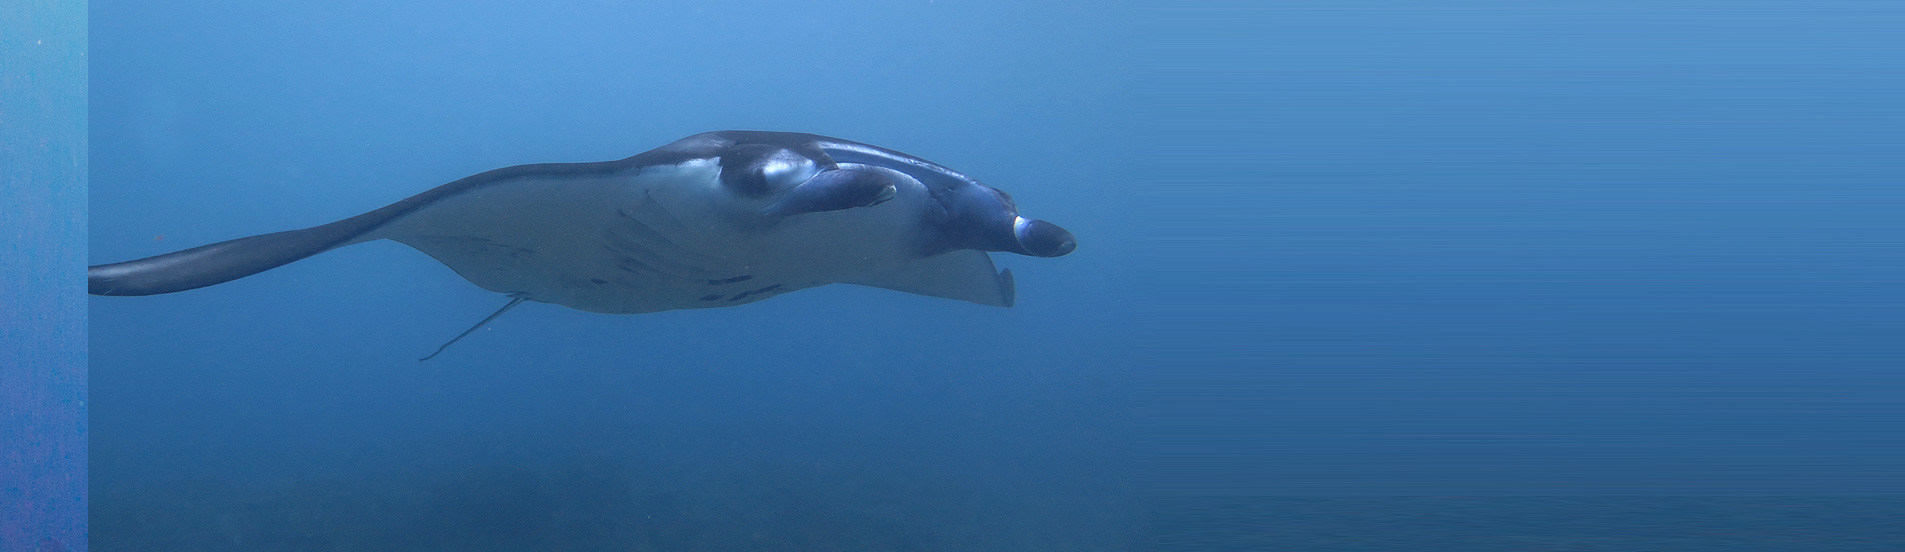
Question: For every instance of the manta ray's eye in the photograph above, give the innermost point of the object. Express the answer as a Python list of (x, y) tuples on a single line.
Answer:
[(756, 170)]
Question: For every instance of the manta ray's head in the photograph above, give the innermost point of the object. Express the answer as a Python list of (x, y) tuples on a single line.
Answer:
[(985, 218), (820, 174)]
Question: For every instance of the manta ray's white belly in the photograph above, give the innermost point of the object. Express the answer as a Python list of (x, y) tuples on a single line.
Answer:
[(670, 237)]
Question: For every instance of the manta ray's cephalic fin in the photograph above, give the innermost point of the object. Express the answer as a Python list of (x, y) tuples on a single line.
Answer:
[(514, 299)]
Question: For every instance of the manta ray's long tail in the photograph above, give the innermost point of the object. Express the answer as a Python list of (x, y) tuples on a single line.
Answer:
[(514, 299)]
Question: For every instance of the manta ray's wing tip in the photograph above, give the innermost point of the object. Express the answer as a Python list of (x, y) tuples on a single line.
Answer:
[(1008, 290)]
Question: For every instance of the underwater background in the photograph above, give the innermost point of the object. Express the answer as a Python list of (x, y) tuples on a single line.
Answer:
[(1607, 276), (288, 411), (1620, 275)]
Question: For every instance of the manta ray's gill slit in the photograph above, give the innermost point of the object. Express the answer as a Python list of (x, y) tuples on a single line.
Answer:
[(741, 278), (632, 266), (753, 292), (628, 250), (630, 285), (648, 204), (639, 234)]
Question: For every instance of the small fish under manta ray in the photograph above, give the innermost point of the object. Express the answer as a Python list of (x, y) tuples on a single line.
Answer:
[(713, 220)]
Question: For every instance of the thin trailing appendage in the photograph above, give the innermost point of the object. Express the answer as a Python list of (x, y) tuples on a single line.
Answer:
[(514, 299)]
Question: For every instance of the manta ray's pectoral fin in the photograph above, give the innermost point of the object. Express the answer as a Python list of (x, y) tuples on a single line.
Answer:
[(225, 261), (832, 190), (514, 299), (966, 275)]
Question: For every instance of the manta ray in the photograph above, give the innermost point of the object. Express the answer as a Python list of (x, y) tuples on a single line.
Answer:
[(718, 219)]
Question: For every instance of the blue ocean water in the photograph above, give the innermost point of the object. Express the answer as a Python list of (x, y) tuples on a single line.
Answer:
[(1331, 253), (1565, 255), (1607, 248), (42, 251)]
